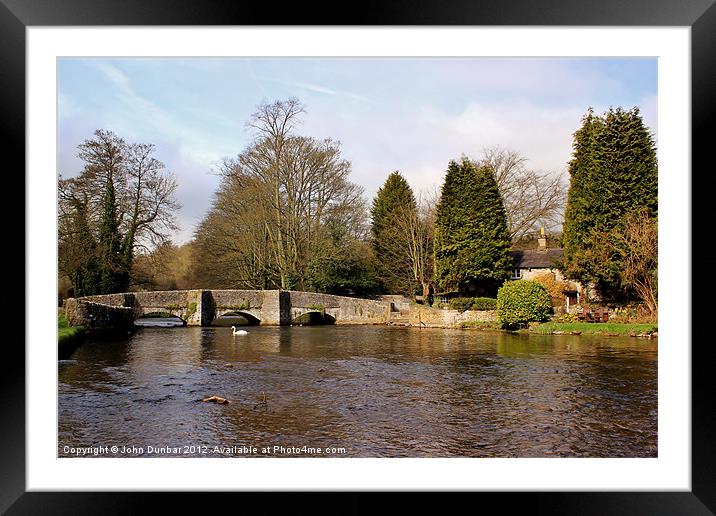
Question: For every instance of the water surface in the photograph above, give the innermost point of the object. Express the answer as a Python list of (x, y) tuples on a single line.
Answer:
[(359, 391)]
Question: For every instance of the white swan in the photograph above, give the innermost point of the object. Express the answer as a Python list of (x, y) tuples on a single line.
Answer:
[(239, 332)]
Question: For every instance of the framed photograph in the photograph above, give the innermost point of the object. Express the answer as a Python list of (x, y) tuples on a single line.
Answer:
[(409, 251)]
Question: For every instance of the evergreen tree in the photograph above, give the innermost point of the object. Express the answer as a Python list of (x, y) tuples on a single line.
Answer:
[(393, 199), (114, 272), (82, 251), (472, 240), (613, 173)]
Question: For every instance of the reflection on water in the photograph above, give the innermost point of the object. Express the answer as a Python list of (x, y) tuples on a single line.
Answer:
[(159, 322), (376, 391)]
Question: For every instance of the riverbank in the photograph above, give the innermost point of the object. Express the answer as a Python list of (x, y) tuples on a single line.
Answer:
[(572, 328), (604, 329), (67, 336), (487, 320)]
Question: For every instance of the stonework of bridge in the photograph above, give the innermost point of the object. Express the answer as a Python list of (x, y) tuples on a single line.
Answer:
[(202, 307)]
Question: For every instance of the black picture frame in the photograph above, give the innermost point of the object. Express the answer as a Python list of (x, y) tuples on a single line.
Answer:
[(700, 15)]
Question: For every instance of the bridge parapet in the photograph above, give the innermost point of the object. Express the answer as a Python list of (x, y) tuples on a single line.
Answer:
[(111, 299), (345, 310), (270, 307), (237, 299), (98, 316)]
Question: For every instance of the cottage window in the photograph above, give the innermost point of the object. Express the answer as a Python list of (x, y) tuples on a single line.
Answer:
[(516, 273)]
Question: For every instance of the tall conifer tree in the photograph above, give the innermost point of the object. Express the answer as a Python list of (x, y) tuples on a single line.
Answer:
[(472, 240), (613, 173), (392, 200), (114, 274)]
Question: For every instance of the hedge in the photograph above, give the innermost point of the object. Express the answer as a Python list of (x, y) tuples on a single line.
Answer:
[(473, 303)]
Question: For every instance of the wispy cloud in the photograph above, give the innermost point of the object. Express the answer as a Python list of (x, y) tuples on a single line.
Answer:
[(185, 151), (328, 91), (315, 88), (139, 112)]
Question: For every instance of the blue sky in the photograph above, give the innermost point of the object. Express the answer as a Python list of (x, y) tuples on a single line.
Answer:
[(407, 114)]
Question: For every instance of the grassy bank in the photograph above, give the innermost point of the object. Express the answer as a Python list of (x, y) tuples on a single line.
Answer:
[(67, 334), (615, 329), (571, 328), (576, 328)]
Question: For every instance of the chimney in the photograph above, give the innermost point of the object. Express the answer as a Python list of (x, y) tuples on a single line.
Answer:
[(542, 240)]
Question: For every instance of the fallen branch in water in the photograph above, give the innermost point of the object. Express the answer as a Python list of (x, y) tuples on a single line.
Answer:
[(216, 399)]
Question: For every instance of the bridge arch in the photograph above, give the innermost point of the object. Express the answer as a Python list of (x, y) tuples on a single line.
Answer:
[(236, 318), (313, 318), (160, 318)]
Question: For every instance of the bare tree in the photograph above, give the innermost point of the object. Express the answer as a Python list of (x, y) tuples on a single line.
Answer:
[(167, 267), (127, 176), (308, 182), (635, 246), (234, 240), (276, 201), (148, 202), (273, 123), (419, 226), (104, 159), (532, 198), (145, 190), (410, 242)]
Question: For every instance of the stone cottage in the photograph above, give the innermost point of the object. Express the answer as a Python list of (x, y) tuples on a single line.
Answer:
[(531, 263)]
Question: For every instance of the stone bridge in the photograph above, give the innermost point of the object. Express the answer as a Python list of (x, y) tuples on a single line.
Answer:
[(202, 307)]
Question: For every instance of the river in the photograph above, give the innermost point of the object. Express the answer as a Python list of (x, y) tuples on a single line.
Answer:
[(358, 391)]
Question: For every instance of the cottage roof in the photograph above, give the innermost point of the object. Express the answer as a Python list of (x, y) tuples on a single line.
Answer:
[(536, 258)]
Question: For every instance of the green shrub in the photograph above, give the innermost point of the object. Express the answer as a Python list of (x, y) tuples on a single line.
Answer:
[(521, 302), (472, 303)]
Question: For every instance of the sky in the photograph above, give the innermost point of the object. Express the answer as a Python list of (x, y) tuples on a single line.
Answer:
[(413, 115)]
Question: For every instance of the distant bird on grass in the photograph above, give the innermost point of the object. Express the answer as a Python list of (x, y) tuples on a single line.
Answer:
[(239, 332)]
